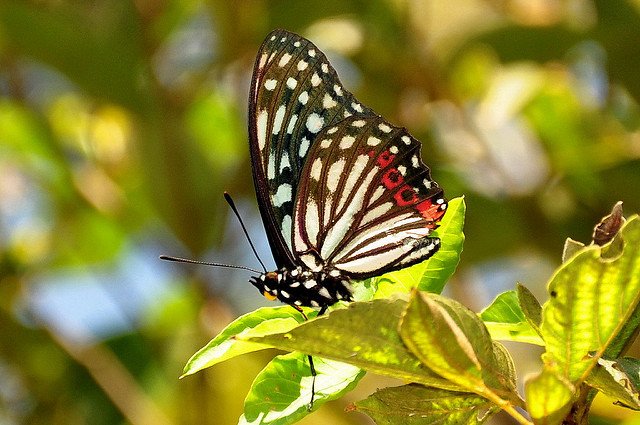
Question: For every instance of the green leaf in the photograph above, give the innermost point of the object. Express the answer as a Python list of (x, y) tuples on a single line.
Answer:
[(505, 320), (418, 405), (530, 307), (591, 302), (431, 275), (281, 392), (365, 335), (452, 341), (505, 363), (570, 249), (618, 379), (226, 345), (549, 397)]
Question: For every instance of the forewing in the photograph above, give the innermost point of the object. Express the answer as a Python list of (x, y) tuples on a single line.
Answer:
[(367, 203), (295, 94)]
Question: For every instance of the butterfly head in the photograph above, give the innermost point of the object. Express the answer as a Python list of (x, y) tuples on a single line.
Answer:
[(267, 283)]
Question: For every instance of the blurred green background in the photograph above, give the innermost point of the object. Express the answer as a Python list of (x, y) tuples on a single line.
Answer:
[(122, 122)]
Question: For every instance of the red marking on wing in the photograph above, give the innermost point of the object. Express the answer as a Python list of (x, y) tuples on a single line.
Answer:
[(392, 178), (385, 159), (430, 211), (405, 196)]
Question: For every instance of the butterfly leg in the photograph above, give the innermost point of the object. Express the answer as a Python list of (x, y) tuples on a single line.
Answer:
[(323, 309)]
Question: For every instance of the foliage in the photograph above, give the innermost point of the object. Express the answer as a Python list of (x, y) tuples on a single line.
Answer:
[(457, 372)]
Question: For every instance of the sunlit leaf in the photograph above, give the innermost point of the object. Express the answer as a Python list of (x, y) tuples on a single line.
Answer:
[(418, 405), (591, 301), (530, 306), (453, 342), (505, 320), (365, 335), (618, 379), (549, 397), (225, 345), (281, 393)]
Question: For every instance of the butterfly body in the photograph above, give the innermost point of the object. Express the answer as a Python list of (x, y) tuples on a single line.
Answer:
[(343, 193), (304, 287)]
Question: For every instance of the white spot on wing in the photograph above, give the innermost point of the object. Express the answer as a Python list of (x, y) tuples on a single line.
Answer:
[(324, 292), (284, 161), (334, 174), (357, 107), (284, 60), (402, 169), (315, 79), (316, 169), (277, 121), (337, 89), (311, 262), (263, 60), (325, 143), (304, 146), (261, 128), (314, 123), (303, 98), (325, 68), (271, 167), (312, 53), (358, 123), (373, 141), (312, 222), (282, 195), (296, 44), (292, 123), (384, 128), (393, 149), (332, 130), (346, 142), (414, 161), (286, 230), (328, 102), (376, 194), (406, 140), (270, 84), (302, 65), (292, 83)]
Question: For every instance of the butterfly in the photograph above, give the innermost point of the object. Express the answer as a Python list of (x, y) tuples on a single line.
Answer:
[(343, 194)]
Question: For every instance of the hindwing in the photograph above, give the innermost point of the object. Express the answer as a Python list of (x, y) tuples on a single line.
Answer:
[(366, 202)]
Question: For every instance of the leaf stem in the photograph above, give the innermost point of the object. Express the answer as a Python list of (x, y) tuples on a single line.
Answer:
[(507, 406)]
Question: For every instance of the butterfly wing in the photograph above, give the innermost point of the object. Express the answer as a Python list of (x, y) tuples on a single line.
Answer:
[(295, 94), (366, 203)]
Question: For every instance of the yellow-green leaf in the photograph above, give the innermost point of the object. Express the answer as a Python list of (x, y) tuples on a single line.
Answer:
[(418, 405), (592, 299), (549, 397)]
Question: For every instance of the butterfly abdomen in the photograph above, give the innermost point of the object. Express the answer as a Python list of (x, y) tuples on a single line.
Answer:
[(302, 287)]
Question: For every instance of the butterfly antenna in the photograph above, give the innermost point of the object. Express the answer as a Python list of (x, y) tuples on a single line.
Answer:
[(228, 266), (227, 198)]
